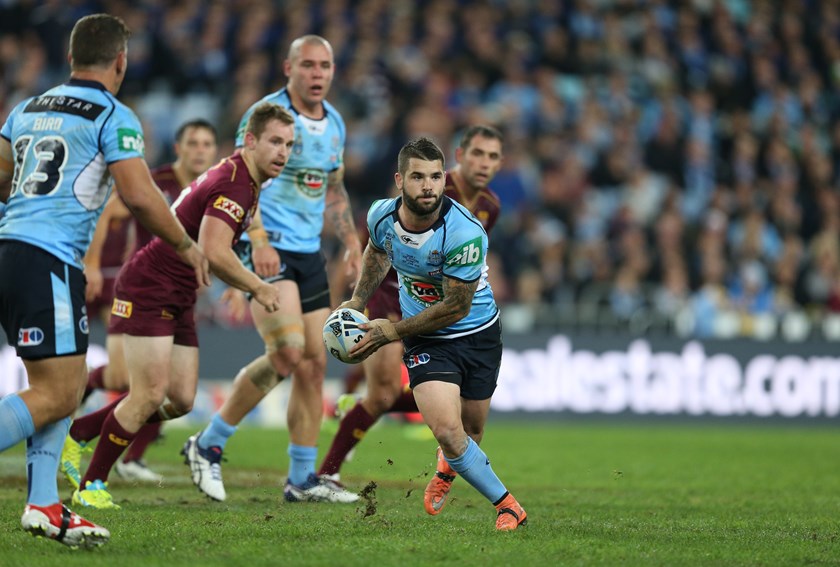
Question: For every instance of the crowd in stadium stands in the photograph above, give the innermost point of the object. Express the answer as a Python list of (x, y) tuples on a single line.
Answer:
[(677, 159)]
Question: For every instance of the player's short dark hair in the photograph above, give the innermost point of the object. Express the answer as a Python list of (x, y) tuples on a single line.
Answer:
[(264, 113), (482, 130), (96, 40), (195, 123), (419, 148)]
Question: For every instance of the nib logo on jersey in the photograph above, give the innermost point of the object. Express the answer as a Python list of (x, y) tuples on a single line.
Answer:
[(469, 254), (32, 336), (131, 141)]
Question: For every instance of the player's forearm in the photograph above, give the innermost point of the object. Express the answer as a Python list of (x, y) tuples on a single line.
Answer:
[(339, 216), (375, 266), (146, 202), (256, 231), (226, 266), (456, 304), (429, 320), (154, 214)]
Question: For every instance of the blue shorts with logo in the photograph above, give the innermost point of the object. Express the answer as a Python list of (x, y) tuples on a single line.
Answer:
[(307, 270), (42, 302), (472, 362)]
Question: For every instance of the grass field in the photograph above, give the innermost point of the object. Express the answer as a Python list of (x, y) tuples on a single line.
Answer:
[(596, 494)]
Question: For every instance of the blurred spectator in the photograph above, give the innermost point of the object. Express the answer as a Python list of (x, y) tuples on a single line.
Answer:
[(704, 133)]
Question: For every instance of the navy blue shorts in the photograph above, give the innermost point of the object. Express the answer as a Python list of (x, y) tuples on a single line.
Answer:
[(472, 362), (307, 270), (42, 302)]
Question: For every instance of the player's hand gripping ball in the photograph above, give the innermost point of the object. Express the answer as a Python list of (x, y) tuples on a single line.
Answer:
[(341, 332)]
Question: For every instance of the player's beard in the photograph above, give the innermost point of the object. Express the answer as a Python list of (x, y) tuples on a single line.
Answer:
[(419, 209)]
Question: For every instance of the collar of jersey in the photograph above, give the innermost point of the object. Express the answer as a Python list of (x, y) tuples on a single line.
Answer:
[(85, 83)]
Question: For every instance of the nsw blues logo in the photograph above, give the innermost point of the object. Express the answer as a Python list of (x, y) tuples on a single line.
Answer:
[(31, 336), (413, 360)]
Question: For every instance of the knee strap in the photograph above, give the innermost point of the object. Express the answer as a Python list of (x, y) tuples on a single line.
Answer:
[(281, 331)]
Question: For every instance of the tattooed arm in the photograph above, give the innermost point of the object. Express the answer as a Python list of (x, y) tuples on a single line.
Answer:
[(375, 265), (456, 304), (338, 215)]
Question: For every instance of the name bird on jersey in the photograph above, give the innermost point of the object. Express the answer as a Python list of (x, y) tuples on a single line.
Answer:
[(449, 247), (60, 136), (292, 206)]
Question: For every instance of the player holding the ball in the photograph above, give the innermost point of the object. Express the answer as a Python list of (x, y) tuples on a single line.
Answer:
[(450, 326)]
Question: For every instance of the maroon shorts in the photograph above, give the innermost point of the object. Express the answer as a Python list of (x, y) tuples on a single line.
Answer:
[(149, 304), (105, 298), (385, 301)]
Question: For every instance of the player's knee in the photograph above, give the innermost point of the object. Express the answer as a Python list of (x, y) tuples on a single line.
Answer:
[(476, 433), (182, 405), (382, 397), (284, 359), (262, 373), (450, 436), (115, 379), (284, 342), (61, 408)]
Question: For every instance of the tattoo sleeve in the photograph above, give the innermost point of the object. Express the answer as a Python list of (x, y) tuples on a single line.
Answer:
[(375, 265), (456, 304), (337, 210)]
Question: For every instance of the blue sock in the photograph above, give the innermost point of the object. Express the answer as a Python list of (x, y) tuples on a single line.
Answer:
[(15, 421), (43, 450), (301, 463), (216, 434), (475, 467)]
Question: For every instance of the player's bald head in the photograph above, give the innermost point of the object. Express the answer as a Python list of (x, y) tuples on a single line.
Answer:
[(311, 39)]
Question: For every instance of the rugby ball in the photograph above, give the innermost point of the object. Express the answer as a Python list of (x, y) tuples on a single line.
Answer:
[(341, 332)]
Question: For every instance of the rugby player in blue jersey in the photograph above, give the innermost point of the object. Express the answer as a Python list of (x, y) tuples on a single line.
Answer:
[(287, 252), (60, 154), (450, 322)]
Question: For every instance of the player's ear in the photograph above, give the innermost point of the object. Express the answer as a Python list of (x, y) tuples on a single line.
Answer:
[(398, 180), (121, 63), (287, 67), (459, 153)]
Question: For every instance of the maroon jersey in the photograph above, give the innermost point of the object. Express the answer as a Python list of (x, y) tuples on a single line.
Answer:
[(484, 204), (227, 192), (115, 246), (170, 186)]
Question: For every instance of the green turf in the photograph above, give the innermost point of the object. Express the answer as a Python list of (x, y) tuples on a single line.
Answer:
[(596, 494)]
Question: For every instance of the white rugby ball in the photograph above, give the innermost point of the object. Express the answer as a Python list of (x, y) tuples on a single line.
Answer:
[(341, 332)]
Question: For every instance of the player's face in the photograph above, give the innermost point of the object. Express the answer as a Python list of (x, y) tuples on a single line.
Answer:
[(480, 161), (197, 150), (311, 73), (422, 186), (273, 148)]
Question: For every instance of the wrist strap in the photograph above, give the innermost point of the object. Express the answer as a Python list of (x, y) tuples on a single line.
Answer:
[(389, 330)]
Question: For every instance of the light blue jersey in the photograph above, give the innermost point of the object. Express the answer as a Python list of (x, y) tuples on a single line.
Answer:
[(63, 142), (292, 206), (455, 247)]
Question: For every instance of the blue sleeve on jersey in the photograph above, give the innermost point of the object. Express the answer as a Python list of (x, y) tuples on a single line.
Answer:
[(466, 250), (375, 214), (240, 131), (122, 136), (342, 128), (6, 131)]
